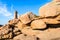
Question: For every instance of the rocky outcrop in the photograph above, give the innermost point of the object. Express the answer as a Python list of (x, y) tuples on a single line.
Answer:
[(31, 27), (14, 21), (27, 18), (9, 31), (50, 9), (20, 25)]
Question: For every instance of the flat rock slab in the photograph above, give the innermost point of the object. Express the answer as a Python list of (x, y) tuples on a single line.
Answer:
[(25, 37), (48, 34)]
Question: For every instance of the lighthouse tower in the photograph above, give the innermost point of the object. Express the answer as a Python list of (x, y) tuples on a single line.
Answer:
[(15, 15)]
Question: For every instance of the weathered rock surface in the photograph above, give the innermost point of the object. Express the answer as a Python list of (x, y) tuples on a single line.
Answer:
[(49, 34), (38, 24), (50, 9), (9, 31), (26, 18), (29, 31), (25, 37), (5, 32), (58, 17), (20, 25), (14, 21), (51, 21), (31, 27)]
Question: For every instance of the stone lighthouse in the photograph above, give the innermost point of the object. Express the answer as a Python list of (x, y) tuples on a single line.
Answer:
[(15, 15)]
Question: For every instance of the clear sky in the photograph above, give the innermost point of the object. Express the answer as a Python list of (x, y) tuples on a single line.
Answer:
[(7, 8)]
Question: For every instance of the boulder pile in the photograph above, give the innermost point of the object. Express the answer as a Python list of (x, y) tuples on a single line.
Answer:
[(31, 27), (26, 27)]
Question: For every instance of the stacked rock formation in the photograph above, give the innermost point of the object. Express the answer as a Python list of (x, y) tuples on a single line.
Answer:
[(26, 26), (9, 31), (31, 27), (27, 18)]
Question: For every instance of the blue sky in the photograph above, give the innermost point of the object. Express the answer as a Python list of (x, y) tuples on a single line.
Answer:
[(7, 8)]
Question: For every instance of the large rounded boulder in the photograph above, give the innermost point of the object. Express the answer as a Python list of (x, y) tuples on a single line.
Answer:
[(51, 9), (38, 24)]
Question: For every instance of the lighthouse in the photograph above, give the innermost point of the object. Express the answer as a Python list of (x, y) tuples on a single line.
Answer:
[(15, 15)]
